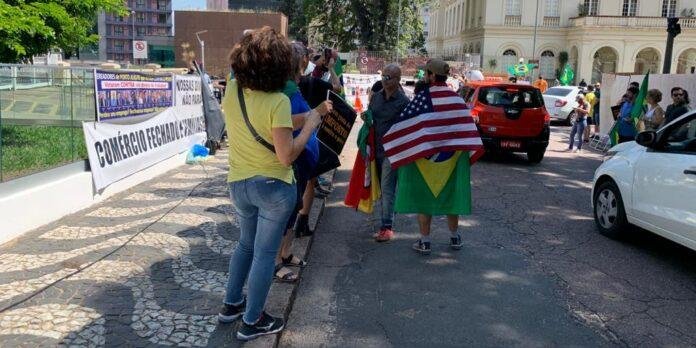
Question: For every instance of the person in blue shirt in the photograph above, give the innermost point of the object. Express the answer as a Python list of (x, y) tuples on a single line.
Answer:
[(303, 166), (626, 127)]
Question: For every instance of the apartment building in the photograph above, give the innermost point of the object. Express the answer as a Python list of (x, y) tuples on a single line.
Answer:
[(149, 20), (598, 35)]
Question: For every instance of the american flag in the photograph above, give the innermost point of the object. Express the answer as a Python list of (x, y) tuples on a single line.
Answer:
[(436, 120)]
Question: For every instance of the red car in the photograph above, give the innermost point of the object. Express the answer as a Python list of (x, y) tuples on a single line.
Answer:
[(510, 117)]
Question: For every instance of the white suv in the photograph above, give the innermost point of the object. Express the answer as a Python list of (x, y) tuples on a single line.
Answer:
[(650, 183)]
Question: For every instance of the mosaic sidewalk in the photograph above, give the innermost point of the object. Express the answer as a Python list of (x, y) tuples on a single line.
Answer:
[(145, 268)]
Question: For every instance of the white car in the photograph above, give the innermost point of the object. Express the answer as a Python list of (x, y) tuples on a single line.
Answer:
[(560, 102), (650, 183)]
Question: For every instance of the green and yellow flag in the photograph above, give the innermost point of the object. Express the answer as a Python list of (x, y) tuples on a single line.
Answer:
[(438, 185), (636, 111), (567, 76)]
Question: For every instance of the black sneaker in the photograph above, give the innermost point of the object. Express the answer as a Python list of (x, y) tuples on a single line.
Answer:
[(456, 242), (422, 247), (266, 325), (229, 313)]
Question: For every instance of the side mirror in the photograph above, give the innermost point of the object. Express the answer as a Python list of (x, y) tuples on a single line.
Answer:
[(647, 138)]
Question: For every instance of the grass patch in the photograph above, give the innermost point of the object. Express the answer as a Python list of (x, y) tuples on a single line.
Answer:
[(29, 149)]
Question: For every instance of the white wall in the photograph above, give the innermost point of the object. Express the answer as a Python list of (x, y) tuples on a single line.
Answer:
[(34, 207)]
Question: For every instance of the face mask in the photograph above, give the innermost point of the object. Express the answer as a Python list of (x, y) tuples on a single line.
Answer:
[(310, 68)]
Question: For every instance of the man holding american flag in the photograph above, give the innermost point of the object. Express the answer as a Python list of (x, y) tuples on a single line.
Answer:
[(433, 144)]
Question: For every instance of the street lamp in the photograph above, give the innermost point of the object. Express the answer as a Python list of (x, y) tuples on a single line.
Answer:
[(202, 43), (133, 36)]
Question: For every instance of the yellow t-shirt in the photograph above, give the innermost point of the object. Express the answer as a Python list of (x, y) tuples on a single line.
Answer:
[(266, 111), (591, 99)]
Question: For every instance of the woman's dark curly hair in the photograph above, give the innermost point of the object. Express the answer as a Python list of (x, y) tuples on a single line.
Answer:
[(262, 61)]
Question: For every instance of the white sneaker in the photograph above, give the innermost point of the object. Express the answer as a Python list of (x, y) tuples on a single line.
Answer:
[(579, 151), (575, 151)]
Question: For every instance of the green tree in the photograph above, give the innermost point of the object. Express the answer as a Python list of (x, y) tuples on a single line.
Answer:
[(373, 24), (32, 27)]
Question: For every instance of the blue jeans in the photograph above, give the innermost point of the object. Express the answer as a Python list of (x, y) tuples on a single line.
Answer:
[(387, 181), (579, 129), (263, 206)]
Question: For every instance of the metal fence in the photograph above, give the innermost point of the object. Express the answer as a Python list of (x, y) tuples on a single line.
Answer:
[(41, 114)]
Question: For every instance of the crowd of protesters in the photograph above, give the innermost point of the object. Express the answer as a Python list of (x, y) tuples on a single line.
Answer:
[(274, 100)]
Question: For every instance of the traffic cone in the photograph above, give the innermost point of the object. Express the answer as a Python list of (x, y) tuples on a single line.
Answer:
[(358, 105)]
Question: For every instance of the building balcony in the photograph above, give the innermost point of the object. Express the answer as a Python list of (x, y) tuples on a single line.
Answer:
[(551, 22), (629, 22), (513, 21)]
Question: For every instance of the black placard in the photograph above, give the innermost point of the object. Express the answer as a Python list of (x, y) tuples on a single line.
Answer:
[(335, 127)]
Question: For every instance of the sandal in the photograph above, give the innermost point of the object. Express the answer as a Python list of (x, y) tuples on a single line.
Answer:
[(293, 260), (287, 277)]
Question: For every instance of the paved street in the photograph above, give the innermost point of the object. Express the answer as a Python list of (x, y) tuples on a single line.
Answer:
[(147, 268), (533, 272)]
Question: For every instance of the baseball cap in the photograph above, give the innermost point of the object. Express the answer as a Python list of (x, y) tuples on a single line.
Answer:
[(437, 67)]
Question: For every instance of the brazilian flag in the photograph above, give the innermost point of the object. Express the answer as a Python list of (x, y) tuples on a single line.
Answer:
[(437, 185)]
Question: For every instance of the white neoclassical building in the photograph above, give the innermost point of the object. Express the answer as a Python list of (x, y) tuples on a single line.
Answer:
[(598, 35)]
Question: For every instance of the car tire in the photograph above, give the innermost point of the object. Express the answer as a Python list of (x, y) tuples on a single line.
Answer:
[(569, 120), (608, 209), (535, 156)]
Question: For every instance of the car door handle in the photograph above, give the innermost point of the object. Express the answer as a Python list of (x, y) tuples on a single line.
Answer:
[(690, 171)]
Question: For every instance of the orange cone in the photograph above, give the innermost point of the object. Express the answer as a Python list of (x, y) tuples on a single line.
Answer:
[(358, 105)]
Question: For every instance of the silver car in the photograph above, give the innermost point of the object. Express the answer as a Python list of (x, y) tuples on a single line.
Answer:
[(560, 102)]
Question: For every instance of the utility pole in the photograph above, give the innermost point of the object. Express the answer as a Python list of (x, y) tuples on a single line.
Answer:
[(536, 25), (673, 29), (202, 43), (133, 36)]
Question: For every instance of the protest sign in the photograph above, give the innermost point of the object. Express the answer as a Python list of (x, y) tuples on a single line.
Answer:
[(335, 127), (117, 151), (187, 95), (121, 94)]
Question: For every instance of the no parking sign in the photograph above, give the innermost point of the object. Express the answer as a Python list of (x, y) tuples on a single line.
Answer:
[(139, 49)]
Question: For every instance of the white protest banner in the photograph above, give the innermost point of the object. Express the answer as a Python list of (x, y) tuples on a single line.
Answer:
[(187, 94), (117, 151)]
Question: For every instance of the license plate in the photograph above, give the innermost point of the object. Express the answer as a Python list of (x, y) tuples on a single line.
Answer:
[(510, 144)]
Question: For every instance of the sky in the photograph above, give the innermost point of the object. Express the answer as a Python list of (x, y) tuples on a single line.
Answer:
[(188, 4)]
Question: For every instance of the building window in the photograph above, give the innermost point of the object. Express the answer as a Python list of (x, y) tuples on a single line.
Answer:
[(140, 31), (669, 8), (162, 18), (510, 52), (140, 17), (591, 7), (139, 3), (552, 8), (512, 8), (161, 4), (547, 64), (630, 8), (118, 46), (118, 30)]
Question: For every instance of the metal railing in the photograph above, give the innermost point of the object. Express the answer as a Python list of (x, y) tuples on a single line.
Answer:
[(41, 114)]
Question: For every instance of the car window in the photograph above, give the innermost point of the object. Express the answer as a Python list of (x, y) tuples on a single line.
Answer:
[(558, 92), (522, 98), (683, 138)]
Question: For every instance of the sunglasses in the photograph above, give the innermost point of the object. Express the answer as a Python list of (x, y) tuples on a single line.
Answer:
[(386, 77), (677, 94)]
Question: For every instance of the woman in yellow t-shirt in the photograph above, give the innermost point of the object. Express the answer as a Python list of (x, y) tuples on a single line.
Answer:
[(261, 180)]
